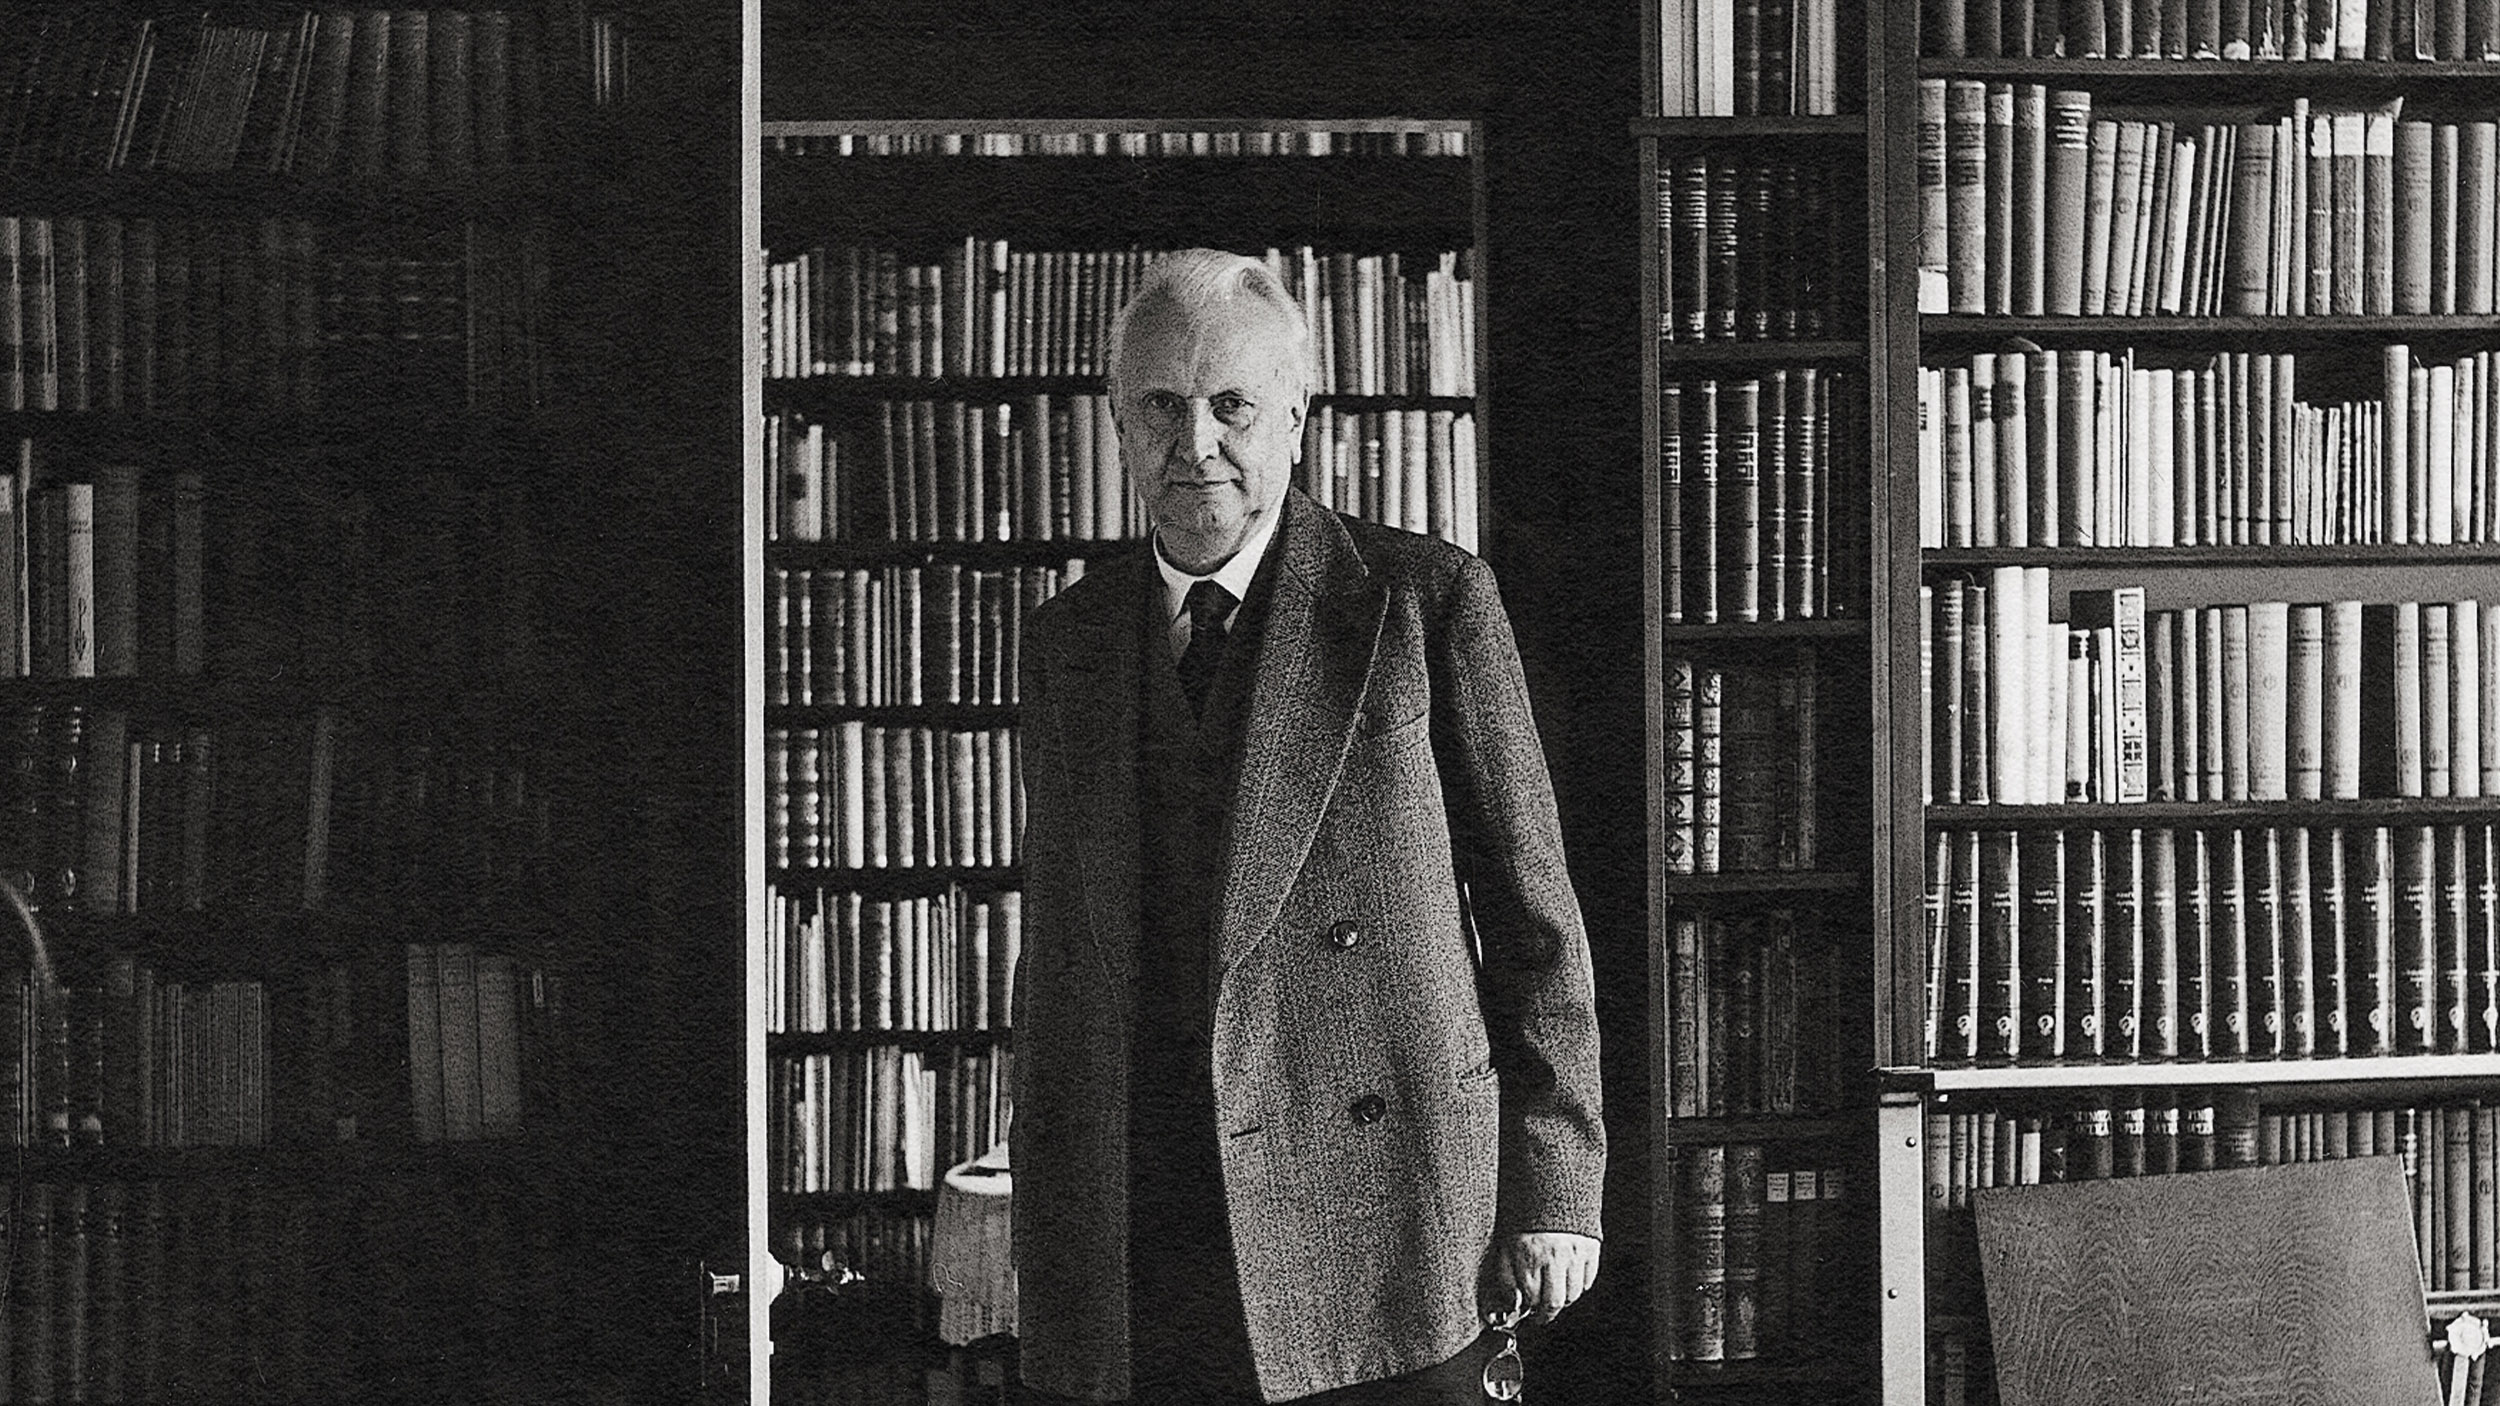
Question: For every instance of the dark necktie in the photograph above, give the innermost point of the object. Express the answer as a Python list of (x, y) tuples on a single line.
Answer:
[(1208, 604)]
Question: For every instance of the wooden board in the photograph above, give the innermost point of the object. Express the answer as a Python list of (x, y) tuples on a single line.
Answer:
[(2283, 1285)]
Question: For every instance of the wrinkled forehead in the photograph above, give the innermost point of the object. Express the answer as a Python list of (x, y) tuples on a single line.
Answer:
[(1229, 343)]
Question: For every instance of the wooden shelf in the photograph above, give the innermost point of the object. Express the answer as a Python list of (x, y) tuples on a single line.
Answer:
[(1118, 203), (1674, 354), (2326, 1075), (899, 879), (1834, 1366), (1796, 631), (1768, 882), (807, 1042), (430, 435), (1837, 126), (824, 393), (1947, 559), (1057, 551), (2382, 810), (292, 1161), (1764, 1127), (394, 199), (841, 1202), (2200, 72), (1965, 331), (975, 715)]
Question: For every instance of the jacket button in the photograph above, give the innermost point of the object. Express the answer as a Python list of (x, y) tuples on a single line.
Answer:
[(1346, 933), (1370, 1108)]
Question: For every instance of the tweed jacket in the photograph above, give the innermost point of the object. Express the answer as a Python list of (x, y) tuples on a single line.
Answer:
[(1404, 1038)]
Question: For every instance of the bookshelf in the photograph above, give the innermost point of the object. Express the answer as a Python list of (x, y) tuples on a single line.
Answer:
[(2274, 406), (318, 1110), (1762, 409), (940, 458)]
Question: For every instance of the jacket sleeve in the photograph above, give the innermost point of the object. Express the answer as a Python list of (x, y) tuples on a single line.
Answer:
[(1532, 955)]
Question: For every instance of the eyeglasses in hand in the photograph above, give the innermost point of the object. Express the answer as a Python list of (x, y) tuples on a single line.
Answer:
[(1505, 1379)]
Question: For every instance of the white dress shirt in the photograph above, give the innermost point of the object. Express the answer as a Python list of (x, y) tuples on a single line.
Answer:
[(1234, 576)]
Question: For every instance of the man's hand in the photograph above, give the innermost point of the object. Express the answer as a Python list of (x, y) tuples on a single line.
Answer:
[(1541, 1271)]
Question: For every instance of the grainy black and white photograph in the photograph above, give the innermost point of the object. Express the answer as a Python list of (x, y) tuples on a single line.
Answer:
[(966, 703)]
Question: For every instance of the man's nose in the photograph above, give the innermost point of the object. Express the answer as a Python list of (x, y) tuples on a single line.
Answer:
[(1206, 433)]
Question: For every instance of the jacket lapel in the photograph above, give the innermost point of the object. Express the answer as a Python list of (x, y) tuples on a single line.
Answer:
[(1096, 680), (1314, 662)]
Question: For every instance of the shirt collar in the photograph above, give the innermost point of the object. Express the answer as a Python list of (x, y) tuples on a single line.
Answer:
[(1234, 575)]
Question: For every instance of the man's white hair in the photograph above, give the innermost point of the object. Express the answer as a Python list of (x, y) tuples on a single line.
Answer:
[(1191, 281)]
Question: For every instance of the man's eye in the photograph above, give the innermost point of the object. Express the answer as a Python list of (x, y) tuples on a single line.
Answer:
[(1163, 405), (1231, 409)]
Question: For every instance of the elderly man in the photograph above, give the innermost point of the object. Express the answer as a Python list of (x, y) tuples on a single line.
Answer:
[(1306, 1058)]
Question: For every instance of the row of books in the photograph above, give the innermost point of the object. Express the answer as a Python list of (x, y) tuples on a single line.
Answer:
[(2293, 31), (433, 576), (243, 1289), (464, 1042), (1750, 1027), (124, 1291), (841, 961), (1113, 141), (883, 1119), (1756, 1231), (1748, 58), (881, 1249), (1751, 471), (1039, 467), (1380, 324), (104, 812), (1415, 469), (1740, 742), (123, 1054), (181, 316), (143, 1061), (1749, 249), (2267, 701), (941, 632), (2034, 202), (438, 824), (102, 577), (2274, 942), (2449, 1153), (364, 93), (2035, 448), (854, 795)]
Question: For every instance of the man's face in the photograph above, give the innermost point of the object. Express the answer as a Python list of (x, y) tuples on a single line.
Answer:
[(1210, 413)]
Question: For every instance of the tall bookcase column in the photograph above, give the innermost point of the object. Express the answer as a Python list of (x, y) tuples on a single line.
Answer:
[(940, 458), (299, 776), (2192, 557), (1764, 415)]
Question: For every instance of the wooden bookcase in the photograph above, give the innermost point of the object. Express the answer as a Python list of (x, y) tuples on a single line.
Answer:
[(1764, 879), (1930, 1101), (920, 191), (375, 737)]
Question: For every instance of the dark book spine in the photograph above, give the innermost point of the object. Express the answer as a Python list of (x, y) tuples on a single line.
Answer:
[(2000, 954), (2483, 916), (1740, 519), (2041, 924), (2199, 981), (1725, 251), (1965, 917), (2121, 904), (2304, 972), (2270, 967), (2457, 996), (2370, 942), (2416, 939)]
